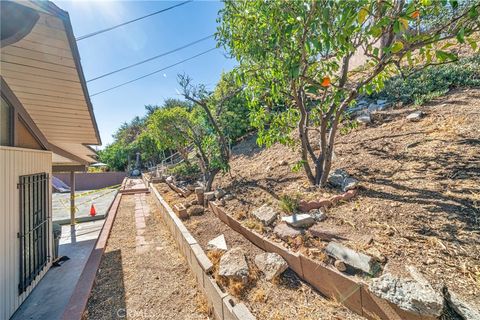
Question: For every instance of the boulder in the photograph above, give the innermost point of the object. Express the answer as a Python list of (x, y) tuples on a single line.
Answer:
[(271, 264), (265, 214), (365, 119), (341, 179), (301, 220), (408, 295), (219, 193), (233, 265), (285, 232), (466, 311), (352, 258), (195, 210), (415, 116), (217, 243), (318, 214)]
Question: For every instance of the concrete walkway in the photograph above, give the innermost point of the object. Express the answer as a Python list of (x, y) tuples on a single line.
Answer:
[(49, 299)]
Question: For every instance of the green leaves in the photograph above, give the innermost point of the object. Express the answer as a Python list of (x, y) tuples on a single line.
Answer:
[(362, 15), (445, 56), (397, 46)]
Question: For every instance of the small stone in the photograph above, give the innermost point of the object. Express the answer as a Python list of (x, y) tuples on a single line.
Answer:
[(466, 311), (430, 261), (271, 264), (285, 232), (219, 193), (233, 265), (268, 168), (217, 243), (169, 179), (209, 196), (318, 214), (301, 220), (352, 258), (408, 294), (195, 210), (365, 119), (340, 265), (265, 214), (415, 116), (337, 177), (228, 197), (282, 162)]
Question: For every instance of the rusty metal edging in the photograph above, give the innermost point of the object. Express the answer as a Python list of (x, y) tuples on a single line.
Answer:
[(330, 282)]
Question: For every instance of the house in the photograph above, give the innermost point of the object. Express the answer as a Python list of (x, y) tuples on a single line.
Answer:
[(46, 125)]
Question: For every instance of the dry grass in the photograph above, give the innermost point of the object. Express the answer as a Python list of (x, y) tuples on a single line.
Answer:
[(254, 224), (202, 305), (259, 295)]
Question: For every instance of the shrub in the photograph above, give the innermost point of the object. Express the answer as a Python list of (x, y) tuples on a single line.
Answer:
[(184, 170), (432, 82), (289, 204)]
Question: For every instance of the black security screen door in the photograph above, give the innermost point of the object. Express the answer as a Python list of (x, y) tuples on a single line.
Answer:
[(34, 227)]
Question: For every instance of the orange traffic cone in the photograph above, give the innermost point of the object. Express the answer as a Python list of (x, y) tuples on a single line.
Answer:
[(93, 212)]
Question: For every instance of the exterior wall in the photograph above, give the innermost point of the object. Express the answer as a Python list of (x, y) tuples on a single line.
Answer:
[(15, 162), (91, 181)]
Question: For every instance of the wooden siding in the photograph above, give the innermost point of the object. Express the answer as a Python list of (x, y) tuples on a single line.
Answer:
[(15, 162)]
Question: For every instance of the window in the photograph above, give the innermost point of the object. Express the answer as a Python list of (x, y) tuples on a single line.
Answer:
[(34, 228), (6, 112)]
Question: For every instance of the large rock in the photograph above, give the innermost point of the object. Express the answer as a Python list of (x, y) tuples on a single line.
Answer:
[(285, 232), (466, 311), (233, 265), (271, 264), (265, 214), (301, 220), (408, 295), (341, 179), (352, 258), (195, 210), (217, 243), (415, 116)]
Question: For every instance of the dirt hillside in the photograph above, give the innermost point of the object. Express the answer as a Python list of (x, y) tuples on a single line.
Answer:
[(420, 189)]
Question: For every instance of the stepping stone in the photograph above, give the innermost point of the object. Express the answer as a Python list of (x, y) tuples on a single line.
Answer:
[(233, 265), (352, 258), (409, 295), (217, 243), (271, 264), (285, 232), (265, 214), (302, 220)]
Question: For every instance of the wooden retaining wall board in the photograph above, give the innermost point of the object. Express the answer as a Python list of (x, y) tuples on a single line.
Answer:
[(224, 307), (348, 290)]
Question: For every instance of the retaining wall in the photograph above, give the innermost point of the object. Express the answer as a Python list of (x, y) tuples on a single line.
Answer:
[(91, 181), (348, 290), (224, 306)]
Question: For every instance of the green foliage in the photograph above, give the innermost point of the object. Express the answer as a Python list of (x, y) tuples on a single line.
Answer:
[(290, 204), (294, 60), (432, 82), (185, 170), (115, 155)]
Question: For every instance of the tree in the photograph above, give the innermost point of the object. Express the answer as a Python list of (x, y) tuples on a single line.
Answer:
[(296, 60), (209, 138)]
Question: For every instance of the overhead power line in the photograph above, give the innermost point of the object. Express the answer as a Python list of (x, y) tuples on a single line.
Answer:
[(130, 21), (152, 58), (154, 72)]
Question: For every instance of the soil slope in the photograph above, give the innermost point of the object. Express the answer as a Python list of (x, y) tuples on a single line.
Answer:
[(420, 189)]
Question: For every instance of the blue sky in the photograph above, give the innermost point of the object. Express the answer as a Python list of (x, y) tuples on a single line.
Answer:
[(138, 41)]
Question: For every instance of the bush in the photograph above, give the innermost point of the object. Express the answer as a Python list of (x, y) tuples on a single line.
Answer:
[(432, 82), (184, 170)]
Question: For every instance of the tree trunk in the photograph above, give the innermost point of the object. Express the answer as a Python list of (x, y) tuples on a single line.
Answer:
[(209, 179)]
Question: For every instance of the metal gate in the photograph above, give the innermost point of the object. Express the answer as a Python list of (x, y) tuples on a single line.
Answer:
[(34, 227)]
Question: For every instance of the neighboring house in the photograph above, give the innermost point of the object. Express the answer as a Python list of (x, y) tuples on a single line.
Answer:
[(46, 125)]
